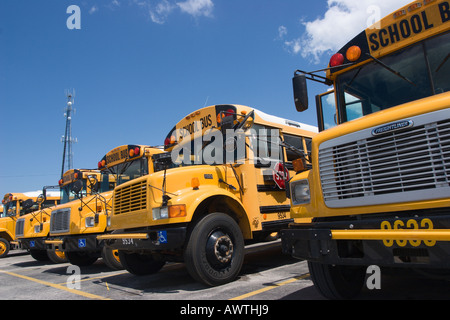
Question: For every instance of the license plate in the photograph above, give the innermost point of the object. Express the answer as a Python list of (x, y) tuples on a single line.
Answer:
[(411, 224)]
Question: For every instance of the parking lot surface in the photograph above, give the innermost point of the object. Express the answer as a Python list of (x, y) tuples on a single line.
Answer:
[(267, 275)]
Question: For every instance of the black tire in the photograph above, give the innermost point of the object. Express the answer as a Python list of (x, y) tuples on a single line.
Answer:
[(81, 259), (337, 282), (39, 255), (56, 256), (4, 247), (111, 258), (215, 251), (140, 264)]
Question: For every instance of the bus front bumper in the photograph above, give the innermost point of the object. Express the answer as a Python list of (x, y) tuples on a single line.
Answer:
[(395, 248), (146, 240)]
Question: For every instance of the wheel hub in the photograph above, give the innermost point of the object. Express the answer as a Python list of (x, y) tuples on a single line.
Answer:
[(219, 249), (223, 249)]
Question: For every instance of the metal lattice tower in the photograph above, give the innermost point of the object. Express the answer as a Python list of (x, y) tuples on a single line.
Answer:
[(67, 137)]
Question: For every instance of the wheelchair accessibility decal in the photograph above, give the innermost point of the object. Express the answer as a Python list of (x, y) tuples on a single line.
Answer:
[(162, 237), (81, 243)]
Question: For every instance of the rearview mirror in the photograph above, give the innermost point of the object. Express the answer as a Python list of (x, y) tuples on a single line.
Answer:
[(300, 92), (77, 186), (27, 204)]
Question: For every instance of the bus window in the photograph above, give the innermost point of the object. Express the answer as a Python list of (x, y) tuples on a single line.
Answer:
[(326, 103), (372, 87), (439, 58), (266, 145), (295, 141)]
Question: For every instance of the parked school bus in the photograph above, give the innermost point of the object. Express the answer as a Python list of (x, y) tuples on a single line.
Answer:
[(74, 224), (33, 226), (74, 227), (17, 206), (228, 188), (379, 190)]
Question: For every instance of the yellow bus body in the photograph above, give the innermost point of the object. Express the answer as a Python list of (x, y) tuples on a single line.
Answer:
[(165, 205), (379, 187)]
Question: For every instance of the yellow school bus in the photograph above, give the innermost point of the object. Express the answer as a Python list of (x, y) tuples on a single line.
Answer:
[(379, 190), (19, 206), (222, 183), (74, 227), (83, 215)]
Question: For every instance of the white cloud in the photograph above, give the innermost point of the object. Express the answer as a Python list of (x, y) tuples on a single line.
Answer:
[(93, 10), (161, 11), (197, 8), (343, 20)]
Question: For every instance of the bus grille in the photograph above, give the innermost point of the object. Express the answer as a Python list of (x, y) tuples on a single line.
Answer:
[(20, 224), (407, 165), (130, 198), (60, 220)]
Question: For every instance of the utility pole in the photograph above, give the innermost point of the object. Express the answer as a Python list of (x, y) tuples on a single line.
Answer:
[(67, 137)]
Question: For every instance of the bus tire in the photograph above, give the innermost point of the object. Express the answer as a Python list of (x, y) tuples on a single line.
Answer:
[(56, 256), (337, 282), (215, 251), (140, 264), (4, 247), (111, 258), (39, 255), (81, 259)]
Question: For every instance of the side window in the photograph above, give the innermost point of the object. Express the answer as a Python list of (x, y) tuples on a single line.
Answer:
[(296, 142), (265, 142), (326, 110)]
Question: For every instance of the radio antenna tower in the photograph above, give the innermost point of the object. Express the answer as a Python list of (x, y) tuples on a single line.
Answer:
[(67, 137)]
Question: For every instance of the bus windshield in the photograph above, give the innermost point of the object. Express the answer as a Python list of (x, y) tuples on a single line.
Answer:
[(422, 70), (124, 172), (10, 208), (67, 195)]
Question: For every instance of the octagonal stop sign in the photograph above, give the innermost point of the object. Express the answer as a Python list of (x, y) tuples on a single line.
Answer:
[(280, 175)]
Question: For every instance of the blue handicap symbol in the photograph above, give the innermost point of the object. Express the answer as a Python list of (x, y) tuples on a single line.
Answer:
[(162, 236), (81, 243)]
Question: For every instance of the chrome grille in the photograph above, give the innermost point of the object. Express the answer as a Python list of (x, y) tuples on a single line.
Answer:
[(60, 220), (406, 165), (20, 224), (130, 198)]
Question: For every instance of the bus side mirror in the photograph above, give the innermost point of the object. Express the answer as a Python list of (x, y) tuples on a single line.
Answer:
[(27, 204), (300, 92), (77, 187)]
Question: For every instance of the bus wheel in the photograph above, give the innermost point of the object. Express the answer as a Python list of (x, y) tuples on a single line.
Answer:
[(337, 282), (39, 255), (111, 258), (56, 256), (215, 250), (4, 247), (140, 264), (81, 259)]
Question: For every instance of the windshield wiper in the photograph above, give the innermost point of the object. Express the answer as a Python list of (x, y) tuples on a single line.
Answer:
[(391, 70), (442, 63)]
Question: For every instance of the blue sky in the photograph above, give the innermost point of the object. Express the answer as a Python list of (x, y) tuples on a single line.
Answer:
[(139, 66)]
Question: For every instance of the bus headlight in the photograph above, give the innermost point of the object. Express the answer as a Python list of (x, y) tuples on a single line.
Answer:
[(300, 192), (89, 222), (160, 213), (175, 211)]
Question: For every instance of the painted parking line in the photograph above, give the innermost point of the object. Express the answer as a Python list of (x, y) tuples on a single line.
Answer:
[(273, 286), (56, 286)]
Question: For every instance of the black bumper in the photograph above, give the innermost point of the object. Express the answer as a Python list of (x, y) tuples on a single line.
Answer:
[(162, 239), (33, 244), (314, 242)]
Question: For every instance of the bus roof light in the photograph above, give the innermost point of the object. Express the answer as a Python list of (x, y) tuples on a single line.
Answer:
[(399, 14), (353, 53), (337, 60)]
